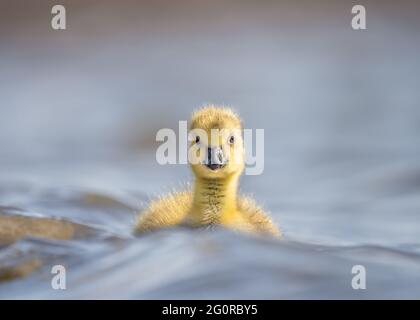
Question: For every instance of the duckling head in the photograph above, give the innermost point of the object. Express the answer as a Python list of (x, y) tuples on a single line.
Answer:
[(216, 145)]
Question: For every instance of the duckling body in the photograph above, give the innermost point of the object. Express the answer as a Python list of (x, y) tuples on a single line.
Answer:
[(174, 209), (213, 201)]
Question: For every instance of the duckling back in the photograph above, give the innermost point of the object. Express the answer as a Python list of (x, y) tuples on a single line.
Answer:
[(166, 211)]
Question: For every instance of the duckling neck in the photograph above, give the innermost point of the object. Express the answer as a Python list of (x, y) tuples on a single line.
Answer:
[(214, 200)]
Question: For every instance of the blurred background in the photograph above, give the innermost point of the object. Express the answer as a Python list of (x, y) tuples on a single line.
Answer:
[(80, 108)]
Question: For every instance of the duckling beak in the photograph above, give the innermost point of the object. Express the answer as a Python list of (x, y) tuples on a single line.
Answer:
[(215, 158)]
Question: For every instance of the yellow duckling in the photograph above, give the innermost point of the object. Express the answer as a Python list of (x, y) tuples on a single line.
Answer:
[(214, 199)]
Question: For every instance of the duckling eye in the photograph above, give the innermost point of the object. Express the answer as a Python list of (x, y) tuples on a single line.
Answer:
[(231, 139), (197, 139)]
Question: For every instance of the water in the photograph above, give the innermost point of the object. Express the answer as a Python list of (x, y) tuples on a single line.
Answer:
[(79, 112)]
